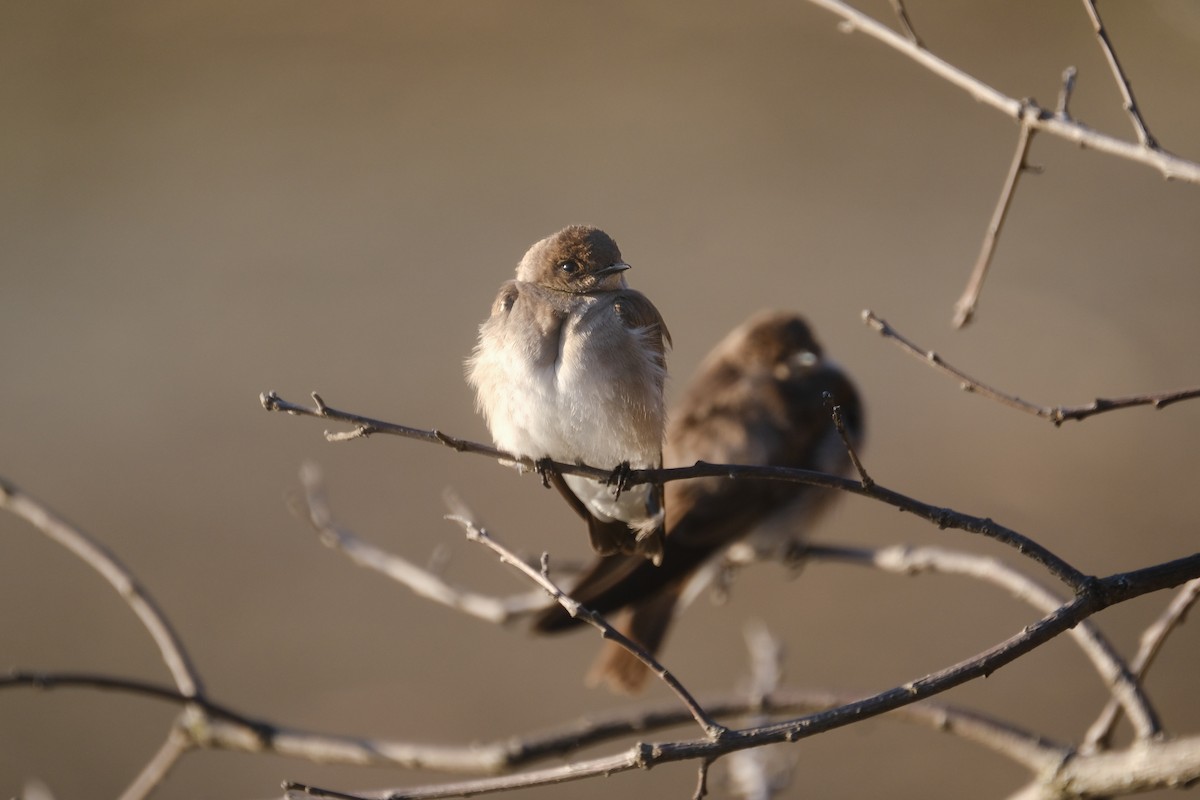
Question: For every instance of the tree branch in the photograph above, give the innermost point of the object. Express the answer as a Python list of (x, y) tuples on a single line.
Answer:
[(1025, 111), (1056, 414), (227, 729), (940, 516)]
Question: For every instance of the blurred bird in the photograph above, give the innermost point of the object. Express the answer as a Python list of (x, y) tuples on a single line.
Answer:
[(570, 367), (758, 398)]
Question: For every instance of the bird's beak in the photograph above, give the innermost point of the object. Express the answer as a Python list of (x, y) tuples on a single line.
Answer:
[(615, 269)]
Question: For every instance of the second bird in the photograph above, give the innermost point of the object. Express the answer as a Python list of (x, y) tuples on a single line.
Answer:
[(759, 398), (570, 366)]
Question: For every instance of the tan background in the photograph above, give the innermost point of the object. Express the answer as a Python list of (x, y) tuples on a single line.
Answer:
[(204, 200)]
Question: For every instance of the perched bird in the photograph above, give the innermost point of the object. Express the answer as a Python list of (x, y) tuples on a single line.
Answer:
[(758, 398), (570, 367)]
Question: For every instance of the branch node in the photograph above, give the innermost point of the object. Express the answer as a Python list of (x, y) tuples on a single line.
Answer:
[(453, 443)]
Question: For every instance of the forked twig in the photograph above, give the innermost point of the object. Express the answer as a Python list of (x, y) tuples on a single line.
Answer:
[(1153, 637), (477, 533), (1170, 166)]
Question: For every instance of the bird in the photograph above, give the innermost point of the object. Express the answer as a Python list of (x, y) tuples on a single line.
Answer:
[(758, 398), (570, 367)]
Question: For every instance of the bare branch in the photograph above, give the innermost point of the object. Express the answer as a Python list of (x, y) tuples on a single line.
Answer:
[(366, 426), (227, 729), (1153, 638), (757, 773), (96, 556), (940, 516), (1056, 414), (1135, 116), (1172, 167), (422, 582), (1099, 594), (477, 533), (1117, 676), (964, 309)]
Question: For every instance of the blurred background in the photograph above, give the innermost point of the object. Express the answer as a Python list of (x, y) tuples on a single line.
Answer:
[(201, 201)]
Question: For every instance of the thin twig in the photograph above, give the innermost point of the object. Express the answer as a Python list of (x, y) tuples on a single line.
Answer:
[(477, 533), (98, 557), (1170, 166), (1099, 734), (1064, 93), (422, 582), (906, 23), (839, 425), (964, 309), (938, 515), (1056, 414), (1135, 116)]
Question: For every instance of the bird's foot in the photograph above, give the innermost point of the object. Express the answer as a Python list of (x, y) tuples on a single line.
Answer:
[(546, 470), (619, 478)]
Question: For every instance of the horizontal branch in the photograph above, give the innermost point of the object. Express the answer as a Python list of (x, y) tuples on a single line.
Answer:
[(1024, 111), (1056, 414), (938, 515), (228, 729), (1099, 594)]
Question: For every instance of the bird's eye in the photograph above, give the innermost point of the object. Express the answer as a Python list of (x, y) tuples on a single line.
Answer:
[(568, 266)]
